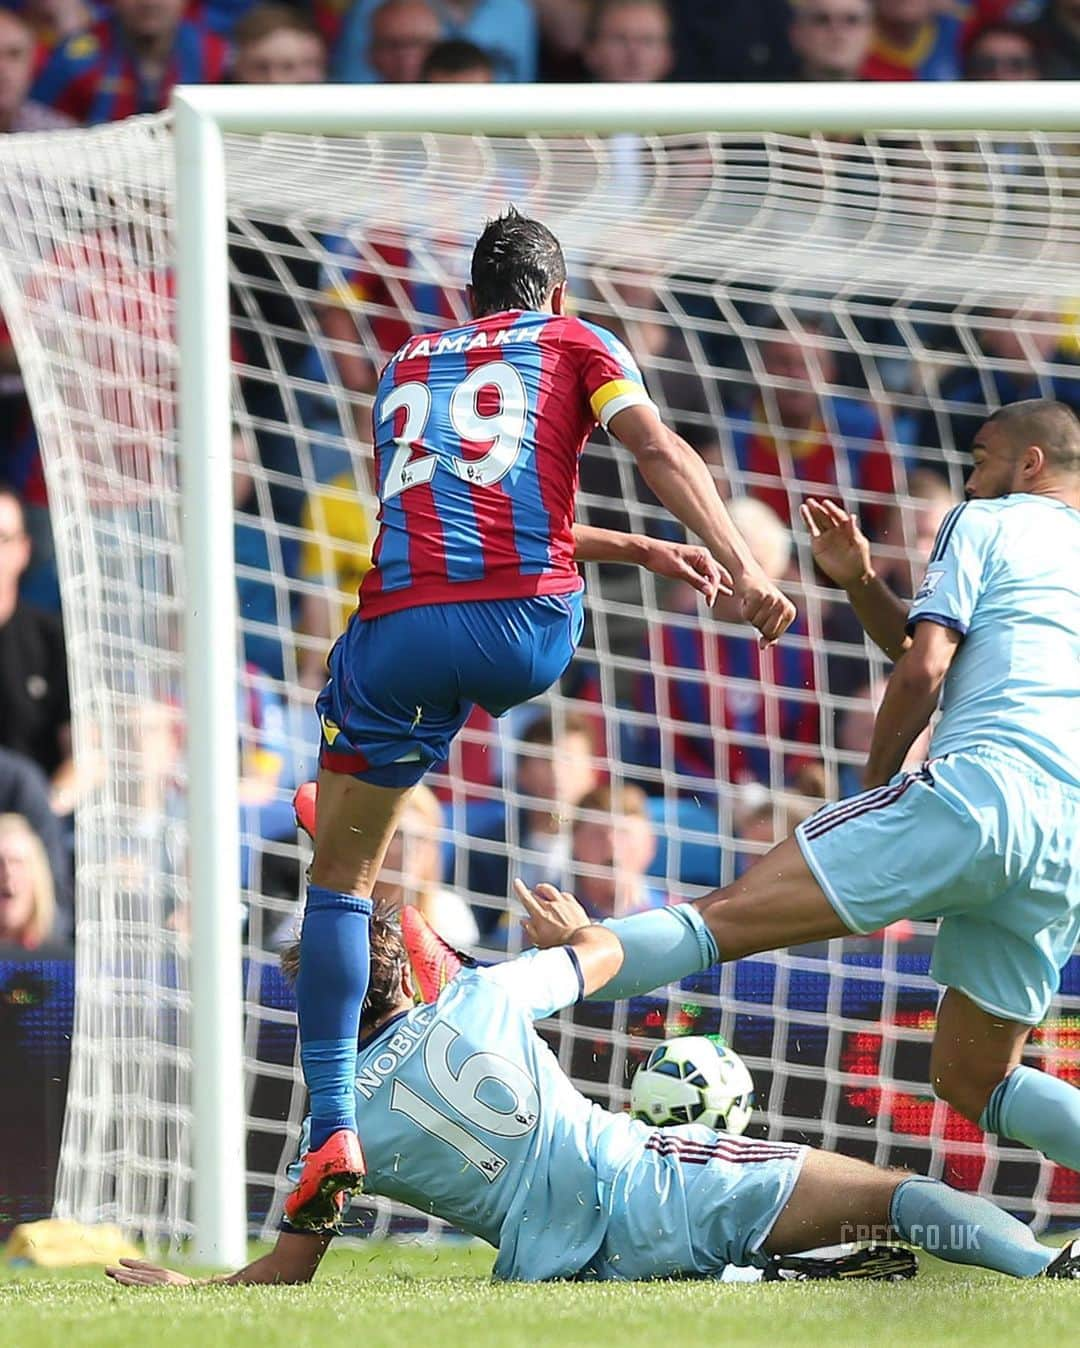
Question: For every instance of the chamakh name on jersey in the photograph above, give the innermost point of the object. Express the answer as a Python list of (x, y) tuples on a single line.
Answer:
[(1006, 574), (478, 431)]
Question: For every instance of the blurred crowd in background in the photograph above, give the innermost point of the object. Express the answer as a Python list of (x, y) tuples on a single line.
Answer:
[(625, 786)]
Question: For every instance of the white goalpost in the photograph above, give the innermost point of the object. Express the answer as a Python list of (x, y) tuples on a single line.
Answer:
[(895, 231)]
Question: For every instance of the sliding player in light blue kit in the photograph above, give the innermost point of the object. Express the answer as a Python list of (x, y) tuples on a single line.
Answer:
[(468, 1116)]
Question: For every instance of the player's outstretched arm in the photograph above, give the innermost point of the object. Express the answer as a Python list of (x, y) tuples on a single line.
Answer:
[(556, 918), (910, 699), (842, 551), (678, 561), (684, 484), (293, 1259)]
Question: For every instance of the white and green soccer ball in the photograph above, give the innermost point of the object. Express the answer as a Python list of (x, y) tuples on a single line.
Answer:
[(694, 1079)]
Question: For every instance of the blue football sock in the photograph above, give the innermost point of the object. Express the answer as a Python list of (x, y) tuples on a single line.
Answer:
[(1039, 1110), (659, 947), (965, 1229), (330, 991)]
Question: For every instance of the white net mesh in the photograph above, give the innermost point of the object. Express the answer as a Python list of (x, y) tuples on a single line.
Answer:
[(813, 315)]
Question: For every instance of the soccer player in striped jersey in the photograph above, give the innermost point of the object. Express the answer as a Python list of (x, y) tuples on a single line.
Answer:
[(986, 835), (473, 598), (469, 1117)]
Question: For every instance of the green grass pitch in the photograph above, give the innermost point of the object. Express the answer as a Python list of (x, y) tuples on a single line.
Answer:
[(367, 1296)]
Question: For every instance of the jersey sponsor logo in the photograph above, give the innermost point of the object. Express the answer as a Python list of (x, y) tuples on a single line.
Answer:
[(374, 1074), (932, 579), (86, 44)]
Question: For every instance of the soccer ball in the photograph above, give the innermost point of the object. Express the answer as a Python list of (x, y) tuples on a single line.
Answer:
[(694, 1079)]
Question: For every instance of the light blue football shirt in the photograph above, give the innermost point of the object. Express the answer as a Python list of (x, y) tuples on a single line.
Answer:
[(1006, 574), (464, 1111)]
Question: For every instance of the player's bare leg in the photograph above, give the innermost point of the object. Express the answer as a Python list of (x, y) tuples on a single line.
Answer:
[(354, 824), (777, 903), (976, 1067), (355, 821), (837, 1199), (973, 1053)]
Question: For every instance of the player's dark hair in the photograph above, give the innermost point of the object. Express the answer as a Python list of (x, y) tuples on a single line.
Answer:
[(455, 56), (516, 264), (388, 959), (1051, 425)]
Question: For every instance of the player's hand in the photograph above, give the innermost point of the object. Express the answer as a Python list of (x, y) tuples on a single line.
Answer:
[(765, 607), (138, 1273), (692, 563), (839, 546), (554, 914)]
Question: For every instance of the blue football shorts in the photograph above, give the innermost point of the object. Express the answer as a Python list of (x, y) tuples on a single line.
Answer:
[(690, 1202), (983, 839), (402, 685)]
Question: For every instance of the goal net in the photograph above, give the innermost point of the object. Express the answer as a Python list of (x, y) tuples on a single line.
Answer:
[(815, 316)]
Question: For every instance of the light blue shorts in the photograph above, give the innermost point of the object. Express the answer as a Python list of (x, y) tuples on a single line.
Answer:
[(983, 840), (691, 1202)]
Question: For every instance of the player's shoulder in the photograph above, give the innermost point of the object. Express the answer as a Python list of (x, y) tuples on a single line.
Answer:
[(580, 332)]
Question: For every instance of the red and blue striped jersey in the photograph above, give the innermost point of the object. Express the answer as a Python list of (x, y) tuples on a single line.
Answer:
[(94, 77), (478, 431)]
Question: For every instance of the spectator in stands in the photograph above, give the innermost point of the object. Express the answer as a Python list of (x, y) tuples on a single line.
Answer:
[(800, 438), (403, 32), (336, 554), (1059, 37), (555, 769), (388, 40), (17, 111), (831, 38), (629, 42), (277, 44), (908, 541), (129, 61), (732, 40), (913, 40), (413, 868), (613, 845), (24, 790), (263, 590), (562, 39), (20, 459), (54, 20), (1002, 52), (1021, 345), (726, 711), (458, 62), (35, 711), (27, 903)]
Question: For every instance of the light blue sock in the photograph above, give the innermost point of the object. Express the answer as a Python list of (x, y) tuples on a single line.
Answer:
[(965, 1229), (331, 986), (1039, 1110), (659, 947)]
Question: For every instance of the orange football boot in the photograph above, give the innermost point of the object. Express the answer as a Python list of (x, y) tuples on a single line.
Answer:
[(434, 962), (328, 1176)]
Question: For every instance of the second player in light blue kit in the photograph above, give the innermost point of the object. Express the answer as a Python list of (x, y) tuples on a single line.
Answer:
[(468, 1116), (985, 836)]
